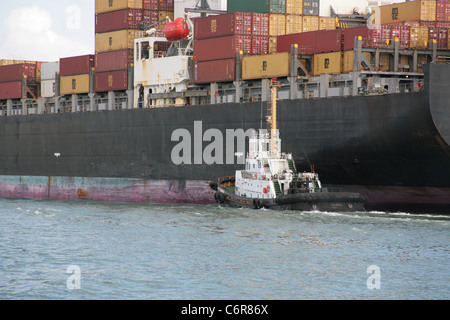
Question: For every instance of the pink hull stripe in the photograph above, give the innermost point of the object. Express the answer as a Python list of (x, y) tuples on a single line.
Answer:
[(106, 189)]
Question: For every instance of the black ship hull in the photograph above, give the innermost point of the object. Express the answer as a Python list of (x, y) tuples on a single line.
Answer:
[(392, 148)]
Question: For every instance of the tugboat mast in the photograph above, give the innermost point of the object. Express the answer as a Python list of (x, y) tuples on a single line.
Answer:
[(272, 118)]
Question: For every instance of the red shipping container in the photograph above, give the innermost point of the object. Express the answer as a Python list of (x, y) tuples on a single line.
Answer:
[(115, 60), (215, 71), (328, 41), (379, 37), (349, 35), (11, 90), (150, 5), (260, 24), (260, 45), (306, 42), (76, 65), (442, 38), (118, 20), (15, 72), (445, 25), (403, 33), (443, 11), (111, 81), (221, 48), (166, 5), (233, 23), (151, 18)]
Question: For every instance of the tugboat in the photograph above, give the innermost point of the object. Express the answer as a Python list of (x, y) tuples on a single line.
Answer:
[(270, 179)]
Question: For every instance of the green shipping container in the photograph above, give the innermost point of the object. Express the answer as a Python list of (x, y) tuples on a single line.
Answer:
[(259, 6), (277, 6)]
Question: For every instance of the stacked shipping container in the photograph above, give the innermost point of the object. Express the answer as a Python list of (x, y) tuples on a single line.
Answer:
[(49, 78), (118, 23), (13, 76), (219, 38), (419, 22), (75, 74), (422, 22)]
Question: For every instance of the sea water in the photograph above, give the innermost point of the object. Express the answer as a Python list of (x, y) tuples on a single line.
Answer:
[(76, 250)]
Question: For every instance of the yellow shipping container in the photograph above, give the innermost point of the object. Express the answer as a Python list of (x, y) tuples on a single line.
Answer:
[(448, 42), (330, 63), (347, 60), (116, 40), (294, 24), (273, 45), (310, 23), (266, 66), (294, 7), (419, 37), (421, 60), (74, 84), (385, 62), (277, 25), (102, 6), (327, 23), (163, 15), (6, 62), (419, 10)]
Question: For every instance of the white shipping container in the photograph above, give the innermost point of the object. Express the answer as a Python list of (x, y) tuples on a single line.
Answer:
[(48, 70), (48, 88), (180, 5)]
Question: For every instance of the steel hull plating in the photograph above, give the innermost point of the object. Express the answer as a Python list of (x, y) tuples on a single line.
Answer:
[(392, 148)]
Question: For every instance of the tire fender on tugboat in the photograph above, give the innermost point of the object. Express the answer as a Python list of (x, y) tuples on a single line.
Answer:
[(257, 203), (219, 197)]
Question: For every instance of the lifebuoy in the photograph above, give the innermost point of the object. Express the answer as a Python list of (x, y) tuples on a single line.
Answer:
[(419, 85)]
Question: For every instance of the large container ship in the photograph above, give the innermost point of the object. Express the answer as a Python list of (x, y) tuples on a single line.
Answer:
[(164, 105)]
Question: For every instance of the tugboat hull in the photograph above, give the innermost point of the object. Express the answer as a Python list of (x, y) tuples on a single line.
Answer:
[(321, 201)]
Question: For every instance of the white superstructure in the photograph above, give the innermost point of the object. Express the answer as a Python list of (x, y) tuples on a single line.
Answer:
[(156, 71)]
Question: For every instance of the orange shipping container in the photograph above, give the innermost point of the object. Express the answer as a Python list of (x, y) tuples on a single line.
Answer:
[(102, 6), (75, 84), (347, 60), (327, 63), (294, 24), (294, 7), (419, 10), (277, 25), (419, 37), (310, 23), (116, 40), (273, 44), (163, 15), (448, 42), (327, 23)]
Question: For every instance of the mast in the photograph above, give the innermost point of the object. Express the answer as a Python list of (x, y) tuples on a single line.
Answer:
[(272, 119)]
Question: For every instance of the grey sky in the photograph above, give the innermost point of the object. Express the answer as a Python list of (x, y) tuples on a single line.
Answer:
[(46, 30)]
